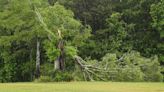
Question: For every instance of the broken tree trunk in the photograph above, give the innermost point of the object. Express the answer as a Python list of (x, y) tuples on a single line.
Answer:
[(59, 63), (61, 56)]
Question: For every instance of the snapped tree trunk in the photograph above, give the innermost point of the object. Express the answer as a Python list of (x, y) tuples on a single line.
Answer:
[(38, 59), (59, 62), (61, 57)]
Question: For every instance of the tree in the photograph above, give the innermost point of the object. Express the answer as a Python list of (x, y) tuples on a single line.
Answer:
[(144, 38), (91, 12), (157, 14), (18, 40), (130, 66), (137, 12), (112, 37), (68, 34)]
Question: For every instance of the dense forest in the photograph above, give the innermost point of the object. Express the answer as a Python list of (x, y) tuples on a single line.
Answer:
[(81, 40)]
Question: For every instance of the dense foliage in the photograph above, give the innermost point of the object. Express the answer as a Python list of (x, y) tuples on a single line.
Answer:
[(40, 39)]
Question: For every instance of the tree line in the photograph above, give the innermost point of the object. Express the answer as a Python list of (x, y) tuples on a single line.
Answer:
[(77, 40)]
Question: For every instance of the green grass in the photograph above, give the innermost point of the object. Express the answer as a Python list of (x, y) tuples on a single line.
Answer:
[(82, 87)]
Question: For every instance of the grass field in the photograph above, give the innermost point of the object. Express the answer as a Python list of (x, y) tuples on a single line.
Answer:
[(82, 87)]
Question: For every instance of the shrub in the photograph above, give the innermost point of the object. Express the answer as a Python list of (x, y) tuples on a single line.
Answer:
[(62, 76), (44, 79), (151, 69), (47, 69)]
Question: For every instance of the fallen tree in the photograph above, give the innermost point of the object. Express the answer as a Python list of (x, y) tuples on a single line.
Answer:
[(131, 66)]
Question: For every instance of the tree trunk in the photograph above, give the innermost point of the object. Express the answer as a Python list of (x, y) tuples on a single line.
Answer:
[(38, 59), (59, 63), (61, 59), (56, 64)]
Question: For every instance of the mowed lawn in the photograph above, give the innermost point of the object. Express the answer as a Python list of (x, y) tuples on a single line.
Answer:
[(82, 87)]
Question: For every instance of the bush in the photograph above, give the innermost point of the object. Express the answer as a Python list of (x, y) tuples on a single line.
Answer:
[(49, 75), (47, 69), (151, 69), (62, 76), (44, 79)]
